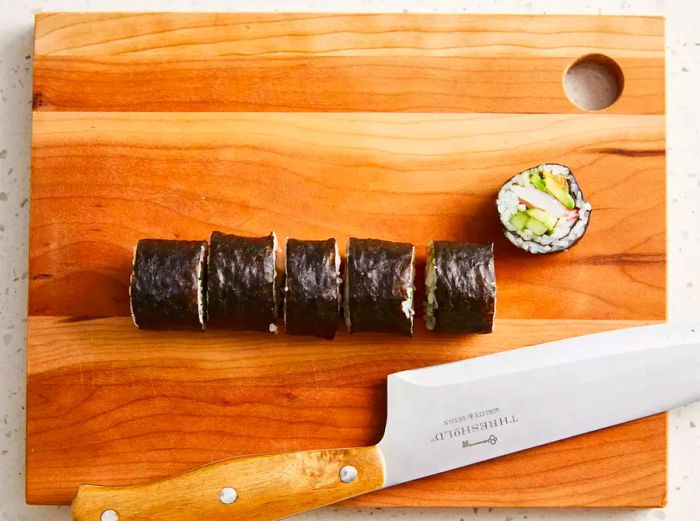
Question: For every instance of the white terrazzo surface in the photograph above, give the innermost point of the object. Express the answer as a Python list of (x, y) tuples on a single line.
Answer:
[(683, 73)]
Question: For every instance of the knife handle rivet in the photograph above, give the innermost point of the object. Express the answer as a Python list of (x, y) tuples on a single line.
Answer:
[(109, 515), (228, 495), (348, 474)]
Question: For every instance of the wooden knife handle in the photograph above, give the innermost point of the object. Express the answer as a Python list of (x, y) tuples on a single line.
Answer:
[(265, 487)]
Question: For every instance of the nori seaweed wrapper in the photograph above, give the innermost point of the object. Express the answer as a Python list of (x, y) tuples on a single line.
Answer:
[(463, 289), (241, 282), (312, 288), (166, 290), (379, 286)]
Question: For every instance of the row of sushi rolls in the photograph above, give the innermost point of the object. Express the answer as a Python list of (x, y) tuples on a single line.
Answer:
[(233, 282)]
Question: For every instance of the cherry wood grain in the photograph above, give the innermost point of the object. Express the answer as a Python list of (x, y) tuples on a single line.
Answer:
[(328, 83), (112, 405), (268, 487), (331, 34), (316, 62), (393, 126), (406, 177)]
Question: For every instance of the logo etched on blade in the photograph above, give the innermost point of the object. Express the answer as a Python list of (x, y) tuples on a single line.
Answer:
[(474, 428), (491, 439)]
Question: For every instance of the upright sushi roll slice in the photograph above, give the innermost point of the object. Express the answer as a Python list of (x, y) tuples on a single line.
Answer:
[(312, 288), (241, 292), (379, 288), (460, 286), (167, 287), (542, 210)]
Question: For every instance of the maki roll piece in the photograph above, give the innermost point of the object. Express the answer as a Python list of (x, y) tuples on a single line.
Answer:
[(460, 286), (379, 286), (542, 210), (312, 288), (241, 292), (167, 285)]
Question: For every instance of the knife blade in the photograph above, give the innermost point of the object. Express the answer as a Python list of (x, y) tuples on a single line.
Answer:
[(448, 416), (438, 418)]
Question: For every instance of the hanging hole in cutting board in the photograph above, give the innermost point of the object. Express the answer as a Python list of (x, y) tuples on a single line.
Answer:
[(593, 82)]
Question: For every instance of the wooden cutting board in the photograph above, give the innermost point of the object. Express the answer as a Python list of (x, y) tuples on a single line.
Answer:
[(392, 126)]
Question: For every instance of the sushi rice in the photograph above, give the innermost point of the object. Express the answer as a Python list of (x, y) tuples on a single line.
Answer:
[(338, 278), (201, 286), (273, 326), (286, 287), (131, 282), (407, 305), (346, 291), (431, 303)]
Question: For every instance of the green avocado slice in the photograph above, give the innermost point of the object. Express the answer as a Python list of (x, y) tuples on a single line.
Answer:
[(537, 182), (560, 191)]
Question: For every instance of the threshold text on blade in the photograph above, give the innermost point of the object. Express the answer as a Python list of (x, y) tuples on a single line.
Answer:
[(476, 427)]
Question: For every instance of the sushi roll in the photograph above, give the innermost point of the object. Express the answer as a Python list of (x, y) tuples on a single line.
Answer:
[(542, 210), (460, 286), (241, 290), (379, 288), (312, 288), (167, 284)]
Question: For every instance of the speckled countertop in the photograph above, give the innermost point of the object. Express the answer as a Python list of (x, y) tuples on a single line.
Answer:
[(683, 115)]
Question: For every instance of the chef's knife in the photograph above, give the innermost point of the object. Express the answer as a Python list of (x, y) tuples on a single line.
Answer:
[(439, 418)]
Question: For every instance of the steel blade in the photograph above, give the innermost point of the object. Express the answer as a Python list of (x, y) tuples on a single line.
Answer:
[(448, 416)]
